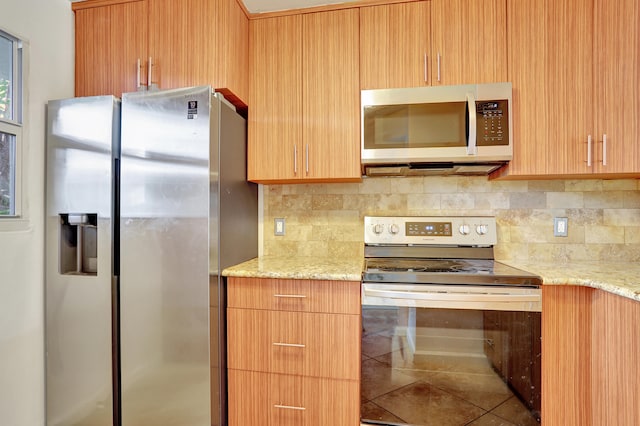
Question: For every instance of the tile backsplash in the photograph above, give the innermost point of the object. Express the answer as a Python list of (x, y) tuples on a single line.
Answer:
[(327, 219)]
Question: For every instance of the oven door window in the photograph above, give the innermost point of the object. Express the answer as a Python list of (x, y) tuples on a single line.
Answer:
[(420, 365), (431, 125)]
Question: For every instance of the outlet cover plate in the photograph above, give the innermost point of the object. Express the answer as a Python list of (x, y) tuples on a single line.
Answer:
[(278, 226), (560, 226)]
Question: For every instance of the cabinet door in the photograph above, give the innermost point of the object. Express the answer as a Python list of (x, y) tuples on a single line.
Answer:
[(319, 345), (469, 41), (331, 96), (275, 118), (340, 297), (199, 42), (527, 40), (566, 355), (616, 344), (232, 51), (109, 42), (569, 85), (282, 400), (550, 66), (395, 45), (617, 85)]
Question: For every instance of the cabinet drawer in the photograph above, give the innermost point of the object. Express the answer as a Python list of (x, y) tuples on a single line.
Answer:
[(341, 297), (257, 398), (310, 344)]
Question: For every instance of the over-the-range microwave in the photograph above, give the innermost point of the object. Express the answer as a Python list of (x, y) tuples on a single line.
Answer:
[(463, 129)]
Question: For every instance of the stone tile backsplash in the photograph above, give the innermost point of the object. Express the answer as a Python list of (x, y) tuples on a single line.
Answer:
[(327, 219)]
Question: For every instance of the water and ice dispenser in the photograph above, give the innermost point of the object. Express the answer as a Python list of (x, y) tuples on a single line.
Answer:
[(79, 244)]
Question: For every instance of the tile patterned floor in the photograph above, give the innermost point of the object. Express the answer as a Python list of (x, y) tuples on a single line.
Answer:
[(399, 387)]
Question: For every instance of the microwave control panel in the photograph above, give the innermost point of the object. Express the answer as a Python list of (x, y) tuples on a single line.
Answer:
[(492, 122)]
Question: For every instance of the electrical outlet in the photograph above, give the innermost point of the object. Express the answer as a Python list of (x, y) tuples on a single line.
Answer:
[(560, 226), (279, 226)]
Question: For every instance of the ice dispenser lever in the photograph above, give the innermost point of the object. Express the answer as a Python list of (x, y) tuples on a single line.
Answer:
[(78, 244), (78, 219)]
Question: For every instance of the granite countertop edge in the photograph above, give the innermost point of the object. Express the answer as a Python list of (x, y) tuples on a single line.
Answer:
[(621, 278), (310, 268)]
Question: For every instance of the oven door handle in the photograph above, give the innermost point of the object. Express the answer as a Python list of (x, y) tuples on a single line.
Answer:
[(454, 296), (460, 297)]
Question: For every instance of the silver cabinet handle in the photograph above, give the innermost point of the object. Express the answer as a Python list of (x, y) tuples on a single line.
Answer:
[(604, 149), (289, 345), (438, 67), (589, 151), (426, 68), (295, 159), (289, 407), (472, 148), (149, 73), (138, 75), (291, 296), (307, 159)]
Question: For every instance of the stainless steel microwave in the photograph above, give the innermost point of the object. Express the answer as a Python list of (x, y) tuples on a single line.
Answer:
[(463, 128)]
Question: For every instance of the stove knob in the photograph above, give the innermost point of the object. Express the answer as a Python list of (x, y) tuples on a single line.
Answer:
[(464, 229), (394, 229), (377, 229), (481, 229)]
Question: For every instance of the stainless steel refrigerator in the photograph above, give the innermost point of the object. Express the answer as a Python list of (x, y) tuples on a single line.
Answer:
[(147, 200)]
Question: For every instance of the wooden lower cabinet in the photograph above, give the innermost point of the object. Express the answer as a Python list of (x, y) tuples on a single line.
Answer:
[(282, 400), (615, 359), (590, 368), (293, 342), (566, 355), (293, 352)]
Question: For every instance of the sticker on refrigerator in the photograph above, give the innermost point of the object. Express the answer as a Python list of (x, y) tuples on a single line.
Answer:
[(192, 110)]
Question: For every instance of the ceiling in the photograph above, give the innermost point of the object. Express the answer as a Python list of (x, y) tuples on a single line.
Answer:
[(259, 6)]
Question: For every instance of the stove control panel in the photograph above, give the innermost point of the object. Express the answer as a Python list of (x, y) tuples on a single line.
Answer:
[(431, 230)]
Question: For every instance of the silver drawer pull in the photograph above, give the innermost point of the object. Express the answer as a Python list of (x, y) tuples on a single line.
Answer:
[(289, 407), (290, 296), (289, 345)]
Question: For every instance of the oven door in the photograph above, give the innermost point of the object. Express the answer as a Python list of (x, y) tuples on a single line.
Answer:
[(450, 355)]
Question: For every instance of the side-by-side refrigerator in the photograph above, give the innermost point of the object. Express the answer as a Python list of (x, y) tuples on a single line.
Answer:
[(147, 201)]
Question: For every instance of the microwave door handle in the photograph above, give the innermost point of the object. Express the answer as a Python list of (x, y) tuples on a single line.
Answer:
[(473, 125)]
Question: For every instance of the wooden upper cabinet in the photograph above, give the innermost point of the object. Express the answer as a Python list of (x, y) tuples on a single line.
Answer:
[(275, 94), (617, 86), (196, 42), (551, 86), (528, 25), (469, 41), (568, 78), (395, 45), (572, 85), (305, 98), (109, 41), (189, 43), (331, 95)]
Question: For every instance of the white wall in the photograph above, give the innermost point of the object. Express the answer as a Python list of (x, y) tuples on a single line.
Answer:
[(47, 26)]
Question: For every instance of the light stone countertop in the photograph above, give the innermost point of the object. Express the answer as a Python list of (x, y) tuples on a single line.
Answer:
[(614, 277), (619, 278), (296, 267)]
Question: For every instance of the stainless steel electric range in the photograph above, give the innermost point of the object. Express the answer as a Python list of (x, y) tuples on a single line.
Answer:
[(450, 336)]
